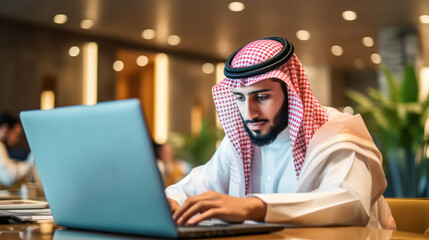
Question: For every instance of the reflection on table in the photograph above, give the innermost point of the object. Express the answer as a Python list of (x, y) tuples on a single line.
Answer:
[(48, 230)]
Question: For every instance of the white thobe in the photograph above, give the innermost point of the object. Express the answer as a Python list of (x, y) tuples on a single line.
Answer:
[(11, 170), (340, 181), (273, 170)]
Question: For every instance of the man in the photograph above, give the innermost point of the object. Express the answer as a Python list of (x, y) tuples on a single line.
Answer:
[(11, 170), (172, 169), (285, 158)]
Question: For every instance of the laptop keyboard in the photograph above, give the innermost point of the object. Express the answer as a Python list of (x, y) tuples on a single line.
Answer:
[(219, 228)]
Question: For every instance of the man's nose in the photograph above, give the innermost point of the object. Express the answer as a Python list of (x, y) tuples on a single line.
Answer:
[(251, 110)]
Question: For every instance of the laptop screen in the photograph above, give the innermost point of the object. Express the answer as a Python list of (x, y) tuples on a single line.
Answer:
[(97, 168)]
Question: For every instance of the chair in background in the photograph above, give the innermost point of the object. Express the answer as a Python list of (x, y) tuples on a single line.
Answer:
[(411, 214)]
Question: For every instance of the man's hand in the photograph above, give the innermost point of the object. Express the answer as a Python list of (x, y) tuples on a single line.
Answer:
[(173, 205), (215, 205)]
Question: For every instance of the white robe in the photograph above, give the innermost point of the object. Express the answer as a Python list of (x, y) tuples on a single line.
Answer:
[(11, 170), (341, 181)]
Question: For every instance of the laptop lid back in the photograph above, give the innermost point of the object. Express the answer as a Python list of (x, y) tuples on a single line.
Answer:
[(98, 169)]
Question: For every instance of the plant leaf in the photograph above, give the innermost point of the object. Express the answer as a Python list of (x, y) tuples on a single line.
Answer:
[(409, 87), (363, 102), (378, 96), (392, 84)]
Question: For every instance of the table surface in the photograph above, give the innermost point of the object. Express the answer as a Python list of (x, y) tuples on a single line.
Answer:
[(48, 230)]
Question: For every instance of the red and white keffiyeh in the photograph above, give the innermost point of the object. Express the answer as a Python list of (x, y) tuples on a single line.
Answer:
[(306, 115)]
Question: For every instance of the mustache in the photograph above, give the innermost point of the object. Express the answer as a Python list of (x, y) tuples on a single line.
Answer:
[(254, 121)]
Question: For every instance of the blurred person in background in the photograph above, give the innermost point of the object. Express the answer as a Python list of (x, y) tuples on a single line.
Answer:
[(171, 168), (11, 170)]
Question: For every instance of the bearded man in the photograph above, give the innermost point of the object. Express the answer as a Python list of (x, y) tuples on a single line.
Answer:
[(285, 158)]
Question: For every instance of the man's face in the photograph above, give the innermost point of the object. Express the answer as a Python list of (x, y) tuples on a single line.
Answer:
[(263, 109), (13, 135)]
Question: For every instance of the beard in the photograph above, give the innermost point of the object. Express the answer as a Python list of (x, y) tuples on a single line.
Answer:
[(280, 122)]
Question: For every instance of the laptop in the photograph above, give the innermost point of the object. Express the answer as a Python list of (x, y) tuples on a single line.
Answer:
[(99, 172)]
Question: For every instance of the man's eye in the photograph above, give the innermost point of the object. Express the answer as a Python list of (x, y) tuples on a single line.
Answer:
[(239, 98), (262, 97)]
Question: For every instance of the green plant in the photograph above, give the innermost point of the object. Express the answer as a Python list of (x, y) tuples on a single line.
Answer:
[(397, 121), (197, 149)]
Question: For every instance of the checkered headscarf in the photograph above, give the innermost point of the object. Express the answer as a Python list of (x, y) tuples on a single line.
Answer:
[(306, 115)]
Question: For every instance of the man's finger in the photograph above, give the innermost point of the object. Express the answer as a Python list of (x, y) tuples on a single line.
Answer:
[(199, 207), (209, 195), (173, 205), (210, 213), (187, 204)]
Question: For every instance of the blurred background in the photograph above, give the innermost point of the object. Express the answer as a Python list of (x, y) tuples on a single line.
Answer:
[(170, 53)]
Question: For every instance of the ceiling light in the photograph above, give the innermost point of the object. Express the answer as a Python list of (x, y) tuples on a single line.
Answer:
[(148, 34), (424, 18), (349, 15), (142, 60), (359, 64), (208, 68), (337, 50), (86, 24), (60, 19), (303, 35), (236, 6), (376, 58), (173, 40), (118, 66), (368, 41), (74, 51)]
